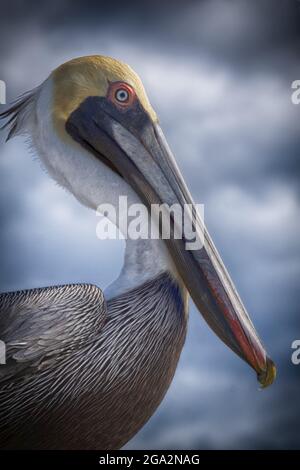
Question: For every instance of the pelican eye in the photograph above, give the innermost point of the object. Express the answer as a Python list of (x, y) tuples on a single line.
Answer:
[(122, 95)]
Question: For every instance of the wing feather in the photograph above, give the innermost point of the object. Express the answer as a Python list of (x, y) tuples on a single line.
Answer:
[(39, 326)]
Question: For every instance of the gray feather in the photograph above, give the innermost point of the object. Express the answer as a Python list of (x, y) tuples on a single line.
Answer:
[(81, 376)]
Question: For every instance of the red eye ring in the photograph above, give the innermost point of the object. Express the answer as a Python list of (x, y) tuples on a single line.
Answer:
[(121, 94)]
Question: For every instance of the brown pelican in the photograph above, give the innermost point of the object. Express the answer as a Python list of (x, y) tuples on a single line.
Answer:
[(86, 370)]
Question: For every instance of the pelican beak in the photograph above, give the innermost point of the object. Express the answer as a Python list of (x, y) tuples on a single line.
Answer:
[(134, 146)]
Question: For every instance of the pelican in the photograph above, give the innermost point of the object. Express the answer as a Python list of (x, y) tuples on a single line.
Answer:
[(87, 369)]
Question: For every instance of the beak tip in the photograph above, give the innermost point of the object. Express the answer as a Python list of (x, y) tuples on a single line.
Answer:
[(267, 376)]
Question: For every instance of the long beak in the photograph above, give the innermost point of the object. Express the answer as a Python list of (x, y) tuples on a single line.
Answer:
[(131, 144)]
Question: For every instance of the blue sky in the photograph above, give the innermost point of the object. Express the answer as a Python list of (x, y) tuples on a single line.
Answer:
[(219, 75)]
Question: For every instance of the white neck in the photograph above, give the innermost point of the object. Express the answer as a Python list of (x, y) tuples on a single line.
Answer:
[(144, 260)]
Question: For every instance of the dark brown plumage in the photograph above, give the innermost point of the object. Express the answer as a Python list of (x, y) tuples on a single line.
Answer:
[(81, 374)]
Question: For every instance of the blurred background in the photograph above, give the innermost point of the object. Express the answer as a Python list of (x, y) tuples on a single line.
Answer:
[(219, 74)]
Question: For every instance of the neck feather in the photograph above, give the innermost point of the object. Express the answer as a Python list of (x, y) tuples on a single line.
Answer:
[(143, 260)]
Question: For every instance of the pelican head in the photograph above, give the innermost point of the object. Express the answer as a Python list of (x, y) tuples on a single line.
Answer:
[(94, 129)]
